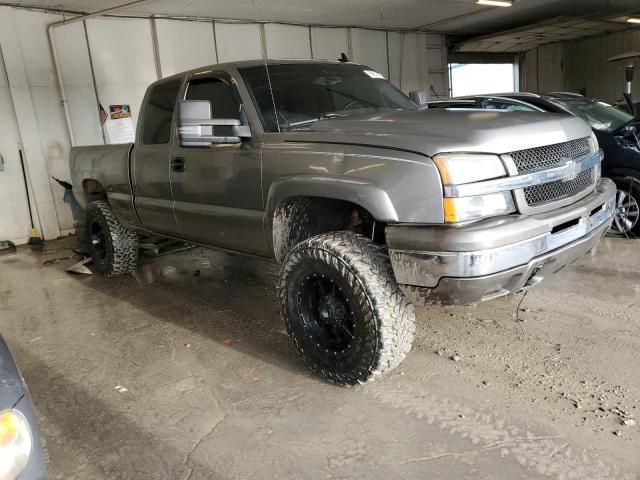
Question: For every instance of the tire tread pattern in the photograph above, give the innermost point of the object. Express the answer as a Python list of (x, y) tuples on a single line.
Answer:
[(367, 267), (121, 243)]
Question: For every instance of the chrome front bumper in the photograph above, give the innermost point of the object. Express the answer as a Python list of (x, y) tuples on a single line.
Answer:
[(489, 259)]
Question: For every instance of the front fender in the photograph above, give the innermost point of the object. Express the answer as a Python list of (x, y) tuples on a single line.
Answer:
[(370, 197)]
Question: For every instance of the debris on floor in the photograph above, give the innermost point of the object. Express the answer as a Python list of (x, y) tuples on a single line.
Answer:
[(7, 246), (80, 267), (163, 247)]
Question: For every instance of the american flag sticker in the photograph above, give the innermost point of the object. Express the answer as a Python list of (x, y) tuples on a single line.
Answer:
[(103, 114)]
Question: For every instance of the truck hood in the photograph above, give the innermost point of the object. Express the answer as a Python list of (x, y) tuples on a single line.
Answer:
[(436, 131)]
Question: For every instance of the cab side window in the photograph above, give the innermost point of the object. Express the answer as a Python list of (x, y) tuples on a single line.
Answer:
[(224, 100), (158, 113)]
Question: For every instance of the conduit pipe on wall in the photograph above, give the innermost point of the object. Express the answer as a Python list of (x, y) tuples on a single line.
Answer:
[(50, 28)]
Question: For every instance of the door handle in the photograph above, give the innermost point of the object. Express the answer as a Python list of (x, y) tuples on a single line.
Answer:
[(177, 164)]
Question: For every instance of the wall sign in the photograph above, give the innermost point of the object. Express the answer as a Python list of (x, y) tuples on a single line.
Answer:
[(119, 125)]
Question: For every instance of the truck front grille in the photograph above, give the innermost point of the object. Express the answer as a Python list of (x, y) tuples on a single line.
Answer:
[(551, 156), (558, 190)]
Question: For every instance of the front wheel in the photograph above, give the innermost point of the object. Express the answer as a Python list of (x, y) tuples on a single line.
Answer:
[(626, 220), (342, 308)]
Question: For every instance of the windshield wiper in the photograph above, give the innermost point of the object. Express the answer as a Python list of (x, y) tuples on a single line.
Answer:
[(312, 120)]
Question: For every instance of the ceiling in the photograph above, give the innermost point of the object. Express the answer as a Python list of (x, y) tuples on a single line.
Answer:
[(525, 38), (462, 17)]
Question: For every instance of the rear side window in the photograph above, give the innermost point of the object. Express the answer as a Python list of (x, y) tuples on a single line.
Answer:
[(159, 113)]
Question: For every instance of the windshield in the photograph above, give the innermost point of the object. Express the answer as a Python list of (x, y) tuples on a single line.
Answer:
[(600, 115), (307, 92)]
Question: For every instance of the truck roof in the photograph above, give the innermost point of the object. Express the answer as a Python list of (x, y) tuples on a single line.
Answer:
[(275, 61)]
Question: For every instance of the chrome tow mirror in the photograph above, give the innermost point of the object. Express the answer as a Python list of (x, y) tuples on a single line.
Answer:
[(196, 128)]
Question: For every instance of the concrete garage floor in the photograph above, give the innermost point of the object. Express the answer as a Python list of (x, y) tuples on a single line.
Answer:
[(215, 390)]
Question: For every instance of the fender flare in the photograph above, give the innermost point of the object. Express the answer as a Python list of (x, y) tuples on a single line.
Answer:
[(365, 194)]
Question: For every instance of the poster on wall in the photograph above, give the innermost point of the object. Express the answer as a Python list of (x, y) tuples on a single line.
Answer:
[(118, 124)]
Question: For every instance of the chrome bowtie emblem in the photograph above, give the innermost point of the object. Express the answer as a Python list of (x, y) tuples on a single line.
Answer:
[(572, 169)]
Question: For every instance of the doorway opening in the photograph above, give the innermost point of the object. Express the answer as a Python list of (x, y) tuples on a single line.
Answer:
[(482, 78)]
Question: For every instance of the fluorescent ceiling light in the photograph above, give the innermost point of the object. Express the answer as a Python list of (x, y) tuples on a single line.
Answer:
[(495, 3), (633, 19)]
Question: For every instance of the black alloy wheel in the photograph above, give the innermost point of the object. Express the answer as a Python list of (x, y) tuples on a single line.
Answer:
[(342, 308), (327, 315), (98, 242)]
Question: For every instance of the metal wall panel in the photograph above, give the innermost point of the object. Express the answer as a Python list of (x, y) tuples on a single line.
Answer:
[(437, 65), (287, 41), (409, 65), (183, 45), (39, 114), (394, 50), (238, 41), (75, 68), (580, 65), (14, 215), (369, 47), (123, 60), (414, 62), (329, 43), (588, 69)]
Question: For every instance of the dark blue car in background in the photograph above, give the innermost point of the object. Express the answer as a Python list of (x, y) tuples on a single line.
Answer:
[(21, 455), (618, 134)]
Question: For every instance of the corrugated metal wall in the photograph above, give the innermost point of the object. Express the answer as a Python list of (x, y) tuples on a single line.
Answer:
[(544, 69), (580, 65), (587, 68)]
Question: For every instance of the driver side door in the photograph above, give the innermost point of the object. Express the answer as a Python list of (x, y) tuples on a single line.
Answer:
[(217, 188)]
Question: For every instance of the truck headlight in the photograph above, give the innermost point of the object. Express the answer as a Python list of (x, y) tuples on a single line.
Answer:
[(15, 444), (456, 168), (461, 168), (463, 209)]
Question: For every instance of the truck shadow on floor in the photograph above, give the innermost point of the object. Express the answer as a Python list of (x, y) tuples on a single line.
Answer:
[(227, 298)]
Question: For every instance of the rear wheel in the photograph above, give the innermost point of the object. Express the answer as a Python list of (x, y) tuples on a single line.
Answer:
[(342, 308), (114, 249), (626, 220)]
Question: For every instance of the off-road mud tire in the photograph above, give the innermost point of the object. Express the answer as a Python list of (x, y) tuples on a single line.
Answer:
[(119, 254), (385, 320)]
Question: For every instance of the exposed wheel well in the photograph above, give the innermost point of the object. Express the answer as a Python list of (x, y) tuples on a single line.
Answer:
[(298, 218), (93, 190)]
